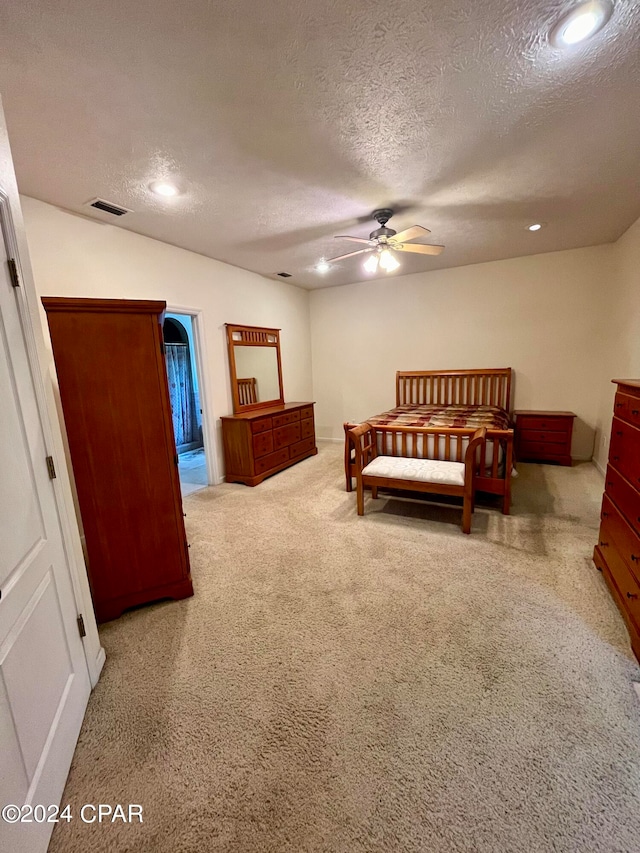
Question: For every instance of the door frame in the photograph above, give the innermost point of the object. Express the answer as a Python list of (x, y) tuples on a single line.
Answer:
[(28, 308), (208, 418)]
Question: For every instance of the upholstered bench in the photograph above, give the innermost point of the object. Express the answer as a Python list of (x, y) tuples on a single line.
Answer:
[(410, 473)]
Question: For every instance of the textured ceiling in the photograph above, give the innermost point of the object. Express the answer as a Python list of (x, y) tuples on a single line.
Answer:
[(287, 122)]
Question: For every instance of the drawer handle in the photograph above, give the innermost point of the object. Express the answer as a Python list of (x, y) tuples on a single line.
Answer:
[(604, 544), (617, 459), (618, 432), (618, 405), (610, 484), (635, 558), (605, 514), (632, 595), (635, 411)]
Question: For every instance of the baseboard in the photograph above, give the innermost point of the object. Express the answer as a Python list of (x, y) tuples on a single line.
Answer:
[(330, 440), (599, 468)]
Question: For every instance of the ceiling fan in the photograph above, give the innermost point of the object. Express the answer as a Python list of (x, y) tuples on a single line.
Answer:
[(383, 242)]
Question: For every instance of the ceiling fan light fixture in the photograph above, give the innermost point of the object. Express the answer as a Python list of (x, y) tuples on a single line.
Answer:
[(371, 264), (322, 266), (535, 227), (387, 262), (582, 22)]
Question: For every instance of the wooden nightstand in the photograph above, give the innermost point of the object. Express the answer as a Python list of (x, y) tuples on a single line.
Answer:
[(543, 436)]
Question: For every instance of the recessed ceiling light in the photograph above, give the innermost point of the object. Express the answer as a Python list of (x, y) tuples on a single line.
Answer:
[(581, 23), (323, 266), (535, 227), (163, 188)]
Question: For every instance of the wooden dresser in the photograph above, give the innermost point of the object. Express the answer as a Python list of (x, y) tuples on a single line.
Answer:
[(260, 443), (617, 553), (543, 436), (115, 398)]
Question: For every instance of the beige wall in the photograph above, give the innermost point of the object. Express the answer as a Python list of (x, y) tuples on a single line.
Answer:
[(76, 256), (622, 350), (541, 315)]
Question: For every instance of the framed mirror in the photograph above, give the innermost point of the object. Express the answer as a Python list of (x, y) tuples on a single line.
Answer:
[(255, 367)]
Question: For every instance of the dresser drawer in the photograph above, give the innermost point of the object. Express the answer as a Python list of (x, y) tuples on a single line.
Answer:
[(286, 418), (262, 444), (271, 461), (625, 581), (541, 450), (620, 536), (307, 412), (261, 425), (306, 428), (627, 408), (624, 450), (624, 496), (538, 435), (286, 435), (556, 423), (302, 447)]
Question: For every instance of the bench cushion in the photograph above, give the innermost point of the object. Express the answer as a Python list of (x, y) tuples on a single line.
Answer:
[(422, 470)]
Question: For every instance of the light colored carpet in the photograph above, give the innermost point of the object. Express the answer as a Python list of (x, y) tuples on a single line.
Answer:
[(345, 684)]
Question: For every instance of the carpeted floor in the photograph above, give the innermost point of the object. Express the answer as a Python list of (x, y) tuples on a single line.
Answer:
[(345, 684)]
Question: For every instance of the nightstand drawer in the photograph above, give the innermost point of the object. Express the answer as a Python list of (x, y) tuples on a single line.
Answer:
[(541, 450), (548, 423), (307, 412), (544, 437)]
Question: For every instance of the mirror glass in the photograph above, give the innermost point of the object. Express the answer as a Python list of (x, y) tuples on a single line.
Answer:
[(257, 374)]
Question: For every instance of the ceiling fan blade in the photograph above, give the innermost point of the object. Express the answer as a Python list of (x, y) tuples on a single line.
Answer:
[(420, 249), (348, 255), (410, 234), (355, 239)]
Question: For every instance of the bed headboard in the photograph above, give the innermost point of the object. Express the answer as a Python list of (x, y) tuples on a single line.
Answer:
[(490, 387)]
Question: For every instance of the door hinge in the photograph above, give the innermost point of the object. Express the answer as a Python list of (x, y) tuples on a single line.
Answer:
[(81, 629), (13, 272), (175, 459), (162, 349), (51, 468)]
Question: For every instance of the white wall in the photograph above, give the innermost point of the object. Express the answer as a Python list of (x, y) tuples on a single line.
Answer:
[(541, 315), (76, 256), (622, 350)]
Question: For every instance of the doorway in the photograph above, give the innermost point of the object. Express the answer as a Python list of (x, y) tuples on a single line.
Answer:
[(184, 394)]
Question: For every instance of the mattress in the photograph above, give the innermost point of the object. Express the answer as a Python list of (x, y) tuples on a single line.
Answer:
[(464, 417), (433, 447)]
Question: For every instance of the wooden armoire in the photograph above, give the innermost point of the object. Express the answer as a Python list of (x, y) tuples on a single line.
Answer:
[(115, 399)]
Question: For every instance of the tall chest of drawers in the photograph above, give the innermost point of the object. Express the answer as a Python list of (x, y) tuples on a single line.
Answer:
[(260, 443), (617, 553)]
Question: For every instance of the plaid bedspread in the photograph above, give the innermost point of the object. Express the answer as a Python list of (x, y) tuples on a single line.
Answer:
[(444, 416)]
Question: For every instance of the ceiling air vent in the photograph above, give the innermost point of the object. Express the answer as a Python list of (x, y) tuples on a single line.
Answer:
[(108, 207), (284, 274)]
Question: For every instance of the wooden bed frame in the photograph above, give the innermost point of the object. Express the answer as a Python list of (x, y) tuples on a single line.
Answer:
[(489, 387)]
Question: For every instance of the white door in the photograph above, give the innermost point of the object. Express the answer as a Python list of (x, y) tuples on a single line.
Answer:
[(44, 682)]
